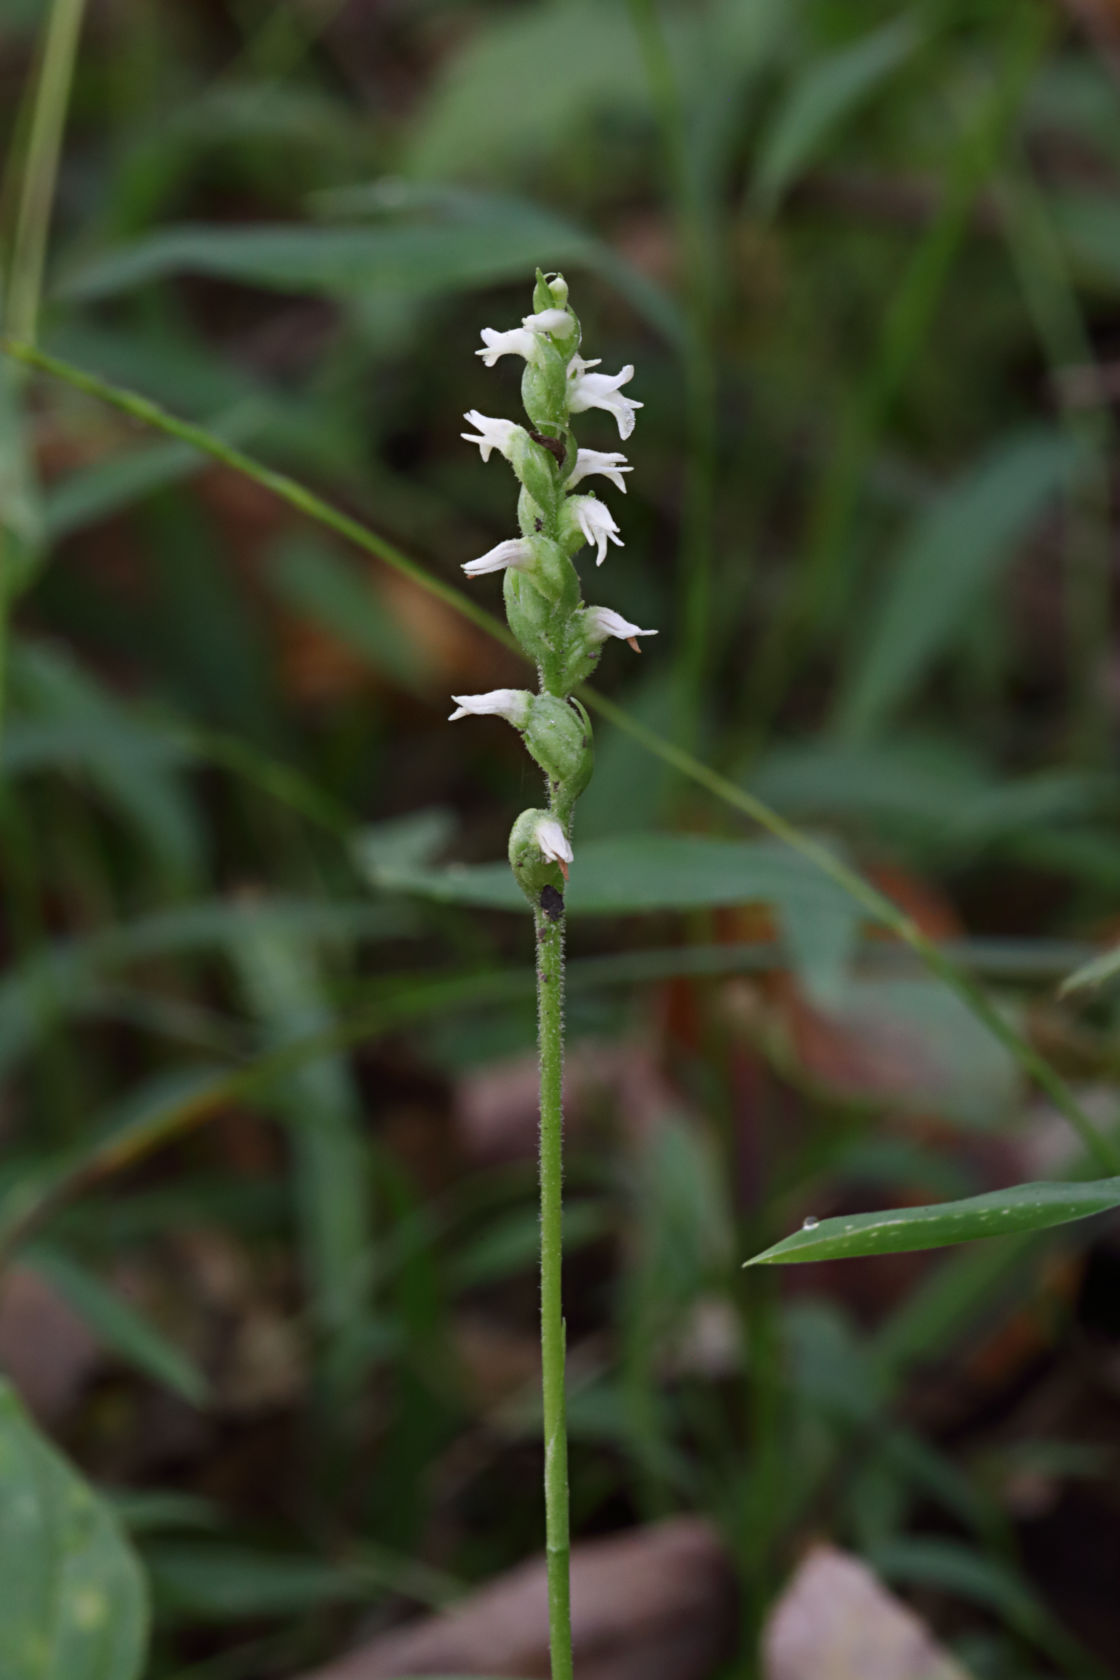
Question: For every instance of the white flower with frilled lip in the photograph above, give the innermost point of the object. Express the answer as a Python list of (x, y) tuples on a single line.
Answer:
[(518, 341), (601, 622), (510, 703), (513, 552), (550, 321), (596, 524), (492, 434), (554, 843), (601, 390), (611, 464)]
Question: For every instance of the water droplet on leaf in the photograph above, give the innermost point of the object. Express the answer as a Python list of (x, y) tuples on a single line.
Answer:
[(810, 1223)]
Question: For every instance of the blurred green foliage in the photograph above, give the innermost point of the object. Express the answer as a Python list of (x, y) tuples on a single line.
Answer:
[(867, 264)]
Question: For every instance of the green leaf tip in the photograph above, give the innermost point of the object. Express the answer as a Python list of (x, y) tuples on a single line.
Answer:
[(997, 1213)]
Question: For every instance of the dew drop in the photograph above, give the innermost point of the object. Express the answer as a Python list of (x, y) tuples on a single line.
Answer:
[(810, 1223)]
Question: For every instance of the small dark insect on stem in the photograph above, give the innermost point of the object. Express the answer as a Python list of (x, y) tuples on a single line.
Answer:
[(555, 446), (552, 903)]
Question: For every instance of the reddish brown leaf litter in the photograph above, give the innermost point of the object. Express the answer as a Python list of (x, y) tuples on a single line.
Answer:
[(657, 1603)]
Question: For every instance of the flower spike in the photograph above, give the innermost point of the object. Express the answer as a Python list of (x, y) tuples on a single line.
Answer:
[(557, 632)]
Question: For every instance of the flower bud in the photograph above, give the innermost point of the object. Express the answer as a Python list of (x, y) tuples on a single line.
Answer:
[(531, 617), (544, 388), (558, 734), (536, 469), (538, 852), (554, 574), (550, 292)]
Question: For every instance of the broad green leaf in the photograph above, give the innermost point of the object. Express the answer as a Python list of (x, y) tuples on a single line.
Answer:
[(465, 207), (629, 873), (119, 1326), (823, 98), (656, 872), (73, 1604), (494, 109), (955, 550), (997, 1213), (937, 797), (407, 842), (908, 782), (480, 241), (216, 1583), (494, 104), (1095, 973), (341, 261)]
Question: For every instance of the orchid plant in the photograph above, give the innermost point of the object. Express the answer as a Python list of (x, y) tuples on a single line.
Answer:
[(564, 639)]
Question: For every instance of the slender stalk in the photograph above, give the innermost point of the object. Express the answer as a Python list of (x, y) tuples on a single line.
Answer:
[(550, 1007), (24, 275), (52, 95)]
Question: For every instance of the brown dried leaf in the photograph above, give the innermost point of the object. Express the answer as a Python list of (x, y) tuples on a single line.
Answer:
[(45, 1348), (654, 1604), (836, 1621)]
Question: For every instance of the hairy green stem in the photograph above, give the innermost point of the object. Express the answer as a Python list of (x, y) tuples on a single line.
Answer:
[(550, 1006)]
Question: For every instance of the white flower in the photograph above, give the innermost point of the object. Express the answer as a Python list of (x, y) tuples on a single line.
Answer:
[(513, 552), (611, 465), (601, 390), (510, 703), (554, 843), (595, 521), (518, 341), (492, 434), (549, 321), (601, 622)]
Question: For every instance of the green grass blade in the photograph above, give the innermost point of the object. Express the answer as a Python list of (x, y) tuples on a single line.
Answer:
[(953, 552), (1095, 973), (823, 98), (44, 143), (118, 1325), (998, 1213)]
